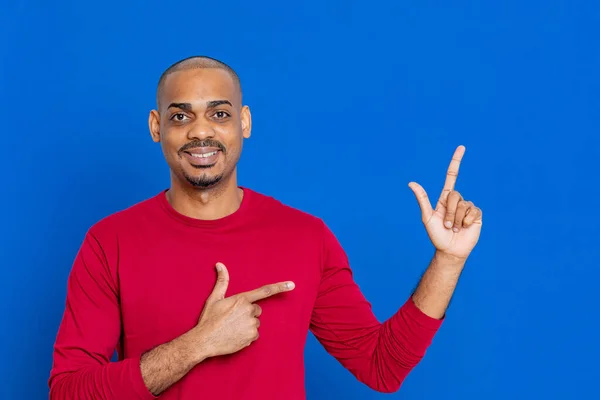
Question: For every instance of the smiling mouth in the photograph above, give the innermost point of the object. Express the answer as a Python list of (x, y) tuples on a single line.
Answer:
[(202, 158), (204, 155)]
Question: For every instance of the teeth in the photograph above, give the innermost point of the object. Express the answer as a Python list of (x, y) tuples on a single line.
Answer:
[(212, 153)]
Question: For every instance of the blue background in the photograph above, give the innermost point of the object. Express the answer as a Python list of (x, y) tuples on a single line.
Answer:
[(351, 101)]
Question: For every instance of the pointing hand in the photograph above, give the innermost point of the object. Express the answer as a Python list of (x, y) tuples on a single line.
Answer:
[(228, 324), (455, 224)]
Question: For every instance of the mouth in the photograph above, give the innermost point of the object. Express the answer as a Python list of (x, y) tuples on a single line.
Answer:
[(202, 157)]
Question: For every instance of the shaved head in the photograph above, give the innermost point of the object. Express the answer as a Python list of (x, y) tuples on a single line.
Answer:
[(195, 62), (200, 123)]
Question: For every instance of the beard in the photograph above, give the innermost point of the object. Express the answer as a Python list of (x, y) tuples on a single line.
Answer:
[(203, 181)]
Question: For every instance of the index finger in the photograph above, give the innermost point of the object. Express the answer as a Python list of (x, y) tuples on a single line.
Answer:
[(268, 291), (452, 172)]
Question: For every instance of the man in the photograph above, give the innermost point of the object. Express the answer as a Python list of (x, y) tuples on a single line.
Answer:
[(208, 290)]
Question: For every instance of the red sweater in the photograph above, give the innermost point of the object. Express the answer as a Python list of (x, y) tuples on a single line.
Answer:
[(141, 278)]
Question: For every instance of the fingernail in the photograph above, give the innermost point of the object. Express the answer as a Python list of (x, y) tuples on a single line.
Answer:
[(290, 285), (448, 224), (455, 229), (219, 267)]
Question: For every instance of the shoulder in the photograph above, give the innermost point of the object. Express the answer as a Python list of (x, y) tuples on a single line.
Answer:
[(100, 248), (297, 222), (304, 227), (276, 211), (125, 219)]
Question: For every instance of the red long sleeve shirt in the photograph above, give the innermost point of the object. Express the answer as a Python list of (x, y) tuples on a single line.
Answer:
[(142, 276)]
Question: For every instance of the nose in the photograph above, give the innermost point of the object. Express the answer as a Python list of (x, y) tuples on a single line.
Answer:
[(201, 129)]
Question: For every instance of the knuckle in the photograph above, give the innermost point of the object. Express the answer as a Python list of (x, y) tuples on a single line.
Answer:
[(267, 290), (240, 301)]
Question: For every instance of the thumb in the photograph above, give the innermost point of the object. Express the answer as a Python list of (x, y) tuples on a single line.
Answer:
[(220, 288), (422, 199)]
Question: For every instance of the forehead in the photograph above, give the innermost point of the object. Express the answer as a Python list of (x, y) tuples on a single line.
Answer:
[(199, 85)]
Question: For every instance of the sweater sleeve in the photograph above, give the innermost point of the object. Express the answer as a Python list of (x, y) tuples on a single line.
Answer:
[(89, 333), (380, 355)]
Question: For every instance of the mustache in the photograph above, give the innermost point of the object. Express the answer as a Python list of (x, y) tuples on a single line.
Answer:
[(203, 143)]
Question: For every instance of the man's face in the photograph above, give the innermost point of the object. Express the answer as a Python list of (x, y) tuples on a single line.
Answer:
[(201, 125)]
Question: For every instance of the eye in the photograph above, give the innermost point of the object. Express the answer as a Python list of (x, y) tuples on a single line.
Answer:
[(178, 117), (221, 114)]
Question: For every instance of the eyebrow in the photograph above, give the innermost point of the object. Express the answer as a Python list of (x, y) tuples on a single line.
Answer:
[(209, 104), (216, 103)]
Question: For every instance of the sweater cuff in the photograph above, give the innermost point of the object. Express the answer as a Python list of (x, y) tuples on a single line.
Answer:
[(139, 386), (412, 312)]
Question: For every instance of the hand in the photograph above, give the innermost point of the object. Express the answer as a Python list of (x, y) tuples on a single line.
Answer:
[(455, 224), (227, 325)]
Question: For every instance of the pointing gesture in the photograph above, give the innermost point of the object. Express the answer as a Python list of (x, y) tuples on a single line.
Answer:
[(455, 224), (228, 324)]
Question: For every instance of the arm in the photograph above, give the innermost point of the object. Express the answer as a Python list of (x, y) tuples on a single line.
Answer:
[(380, 355), (454, 227), (168, 363), (89, 332), (437, 285)]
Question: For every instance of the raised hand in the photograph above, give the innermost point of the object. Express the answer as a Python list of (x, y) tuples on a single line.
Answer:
[(228, 324), (455, 224)]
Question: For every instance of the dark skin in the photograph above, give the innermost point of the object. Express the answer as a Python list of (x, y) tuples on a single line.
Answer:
[(201, 105), (200, 111)]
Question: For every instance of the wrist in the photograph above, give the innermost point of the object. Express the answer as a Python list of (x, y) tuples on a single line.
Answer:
[(449, 261), (198, 345)]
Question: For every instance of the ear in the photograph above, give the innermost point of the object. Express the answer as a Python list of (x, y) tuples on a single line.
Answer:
[(246, 118), (154, 125)]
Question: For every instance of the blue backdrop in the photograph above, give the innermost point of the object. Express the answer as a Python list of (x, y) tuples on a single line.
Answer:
[(399, 84)]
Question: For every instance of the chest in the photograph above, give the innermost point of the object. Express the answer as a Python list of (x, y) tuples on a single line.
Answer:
[(163, 288)]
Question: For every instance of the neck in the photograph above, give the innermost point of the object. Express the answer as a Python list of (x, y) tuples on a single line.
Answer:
[(205, 204)]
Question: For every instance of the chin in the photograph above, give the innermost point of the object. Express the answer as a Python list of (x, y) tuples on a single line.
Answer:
[(204, 180)]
